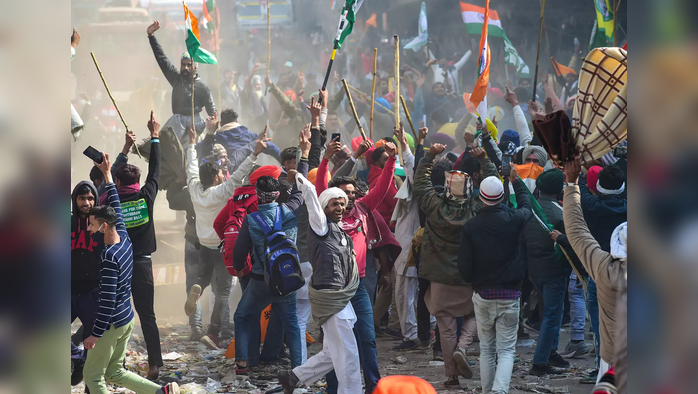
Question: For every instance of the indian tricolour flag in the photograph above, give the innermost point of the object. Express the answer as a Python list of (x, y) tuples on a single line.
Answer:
[(479, 95), (474, 16), (193, 39)]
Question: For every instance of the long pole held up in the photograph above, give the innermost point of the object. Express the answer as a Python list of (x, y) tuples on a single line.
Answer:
[(373, 91), (409, 118), (367, 97), (353, 109), (268, 41), (540, 36), (396, 48), (104, 81)]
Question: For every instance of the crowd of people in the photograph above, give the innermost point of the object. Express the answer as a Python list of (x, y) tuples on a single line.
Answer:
[(439, 237)]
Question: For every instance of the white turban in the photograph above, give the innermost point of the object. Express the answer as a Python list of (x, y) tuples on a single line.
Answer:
[(328, 194), (619, 242)]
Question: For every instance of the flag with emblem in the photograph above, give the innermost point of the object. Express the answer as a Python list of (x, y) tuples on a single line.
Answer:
[(474, 17), (479, 95), (193, 39)]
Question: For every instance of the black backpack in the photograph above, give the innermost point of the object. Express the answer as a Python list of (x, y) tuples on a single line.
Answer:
[(282, 268)]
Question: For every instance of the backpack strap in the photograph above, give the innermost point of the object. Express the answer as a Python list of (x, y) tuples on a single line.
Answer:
[(262, 222), (278, 221)]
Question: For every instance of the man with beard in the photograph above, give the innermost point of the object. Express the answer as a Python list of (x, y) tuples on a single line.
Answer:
[(181, 89)]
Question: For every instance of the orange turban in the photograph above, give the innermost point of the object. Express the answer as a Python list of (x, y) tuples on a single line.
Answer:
[(273, 171), (397, 384), (312, 175)]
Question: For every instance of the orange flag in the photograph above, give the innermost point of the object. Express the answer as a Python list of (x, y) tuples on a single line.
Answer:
[(479, 95), (561, 70)]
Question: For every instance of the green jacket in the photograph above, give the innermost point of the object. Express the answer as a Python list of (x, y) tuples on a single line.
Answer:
[(444, 220), (287, 135)]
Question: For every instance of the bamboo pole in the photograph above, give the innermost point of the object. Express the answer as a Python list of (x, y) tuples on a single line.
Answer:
[(353, 109), (396, 49), (540, 37), (616, 5), (409, 118), (192, 101), (268, 42), (373, 92), (367, 97), (104, 81)]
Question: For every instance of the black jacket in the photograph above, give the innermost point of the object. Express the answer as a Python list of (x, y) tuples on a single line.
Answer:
[(538, 249), (603, 213), (489, 246), (84, 248), (137, 208), (181, 86)]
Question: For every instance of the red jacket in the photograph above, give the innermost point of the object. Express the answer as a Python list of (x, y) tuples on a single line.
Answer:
[(387, 206)]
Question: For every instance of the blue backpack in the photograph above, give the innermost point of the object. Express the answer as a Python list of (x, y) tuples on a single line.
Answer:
[(282, 268)]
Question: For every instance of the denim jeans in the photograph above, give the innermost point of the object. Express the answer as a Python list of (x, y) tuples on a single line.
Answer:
[(371, 278), (366, 338), (553, 291), (192, 260), (578, 308), (593, 309), (497, 325), (212, 260), (255, 298)]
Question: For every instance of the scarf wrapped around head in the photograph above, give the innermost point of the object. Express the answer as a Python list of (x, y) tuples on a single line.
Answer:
[(266, 197), (619, 242), (593, 178), (329, 194), (540, 153), (459, 186), (219, 150), (550, 181)]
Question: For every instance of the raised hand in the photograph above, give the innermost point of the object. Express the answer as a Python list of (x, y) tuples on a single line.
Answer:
[(535, 110), (304, 141), (513, 175), (335, 78), (315, 108), (153, 28), (75, 38), (153, 126), (478, 153), (332, 147), (572, 171), (400, 135), (437, 149), (105, 165), (291, 176), (423, 131), (267, 82), (130, 140), (510, 97), (192, 135), (420, 81), (390, 149), (363, 147), (324, 97), (262, 141), (548, 105), (212, 123)]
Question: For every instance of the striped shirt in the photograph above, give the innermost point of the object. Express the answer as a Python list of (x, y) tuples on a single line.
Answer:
[(115, 275)]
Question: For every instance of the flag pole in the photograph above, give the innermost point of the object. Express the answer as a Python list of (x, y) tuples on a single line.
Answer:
[(268, 43), (409, 118), (218, 65), (104, 81), (353, 109), (616, 5), (334, 52), (396, 49), (192, 100), (373, 91), (540, 36)]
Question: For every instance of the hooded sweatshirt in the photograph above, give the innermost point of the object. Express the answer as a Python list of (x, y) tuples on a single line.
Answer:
[(84, 248)]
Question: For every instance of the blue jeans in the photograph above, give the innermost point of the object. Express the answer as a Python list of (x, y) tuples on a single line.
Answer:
[(274, 338), (593, 309), (371, 278), (255, 298), (366, 338), (192, 259), (553, 291), (578, 308)]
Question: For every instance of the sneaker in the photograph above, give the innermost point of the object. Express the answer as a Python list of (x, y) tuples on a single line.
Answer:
[(211, 341), (575, 349), (192, 299), (407, 345), (543, 369), (153, 373), (169, 388), (590, 378), (425, 344), (462, 363), (380, 333), (393, 333), (437, 355), (196, 334), (531, 325), (288, 380), (76, 376), (239, 370), (452, 382), (557, 361)]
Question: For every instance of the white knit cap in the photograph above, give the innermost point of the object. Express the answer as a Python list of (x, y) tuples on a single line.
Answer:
[(491, 191), (328, 194)]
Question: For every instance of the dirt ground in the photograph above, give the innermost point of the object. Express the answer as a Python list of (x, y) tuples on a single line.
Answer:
[(199, 370)]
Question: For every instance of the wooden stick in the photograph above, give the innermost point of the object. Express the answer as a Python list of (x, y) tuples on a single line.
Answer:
[(373, 92), (353, 109), (367, 97), (192, 101), (409, 118), (396, 49), (615, 22), (540, 36), (104, 81), (268, 42)]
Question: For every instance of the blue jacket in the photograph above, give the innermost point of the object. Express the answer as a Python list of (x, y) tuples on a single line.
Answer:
[(603, 213), (236, 138)]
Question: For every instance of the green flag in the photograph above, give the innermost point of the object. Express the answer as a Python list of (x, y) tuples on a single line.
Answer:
[(423, 36), (346, 21), (602, 33), (512, 58)]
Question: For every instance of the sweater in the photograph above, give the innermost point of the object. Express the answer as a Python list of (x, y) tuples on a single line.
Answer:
[(489, 245), (137, 208), (115, 275), (607, 272), (603, 213), (209, 202)]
